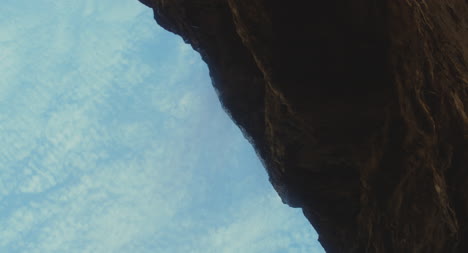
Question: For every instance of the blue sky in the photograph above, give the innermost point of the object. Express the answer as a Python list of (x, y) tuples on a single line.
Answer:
[(113, 140)]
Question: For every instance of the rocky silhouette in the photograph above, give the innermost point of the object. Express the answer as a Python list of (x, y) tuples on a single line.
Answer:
[(358, 110)]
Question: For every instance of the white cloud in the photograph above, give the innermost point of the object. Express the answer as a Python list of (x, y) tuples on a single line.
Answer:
[(113, 141)]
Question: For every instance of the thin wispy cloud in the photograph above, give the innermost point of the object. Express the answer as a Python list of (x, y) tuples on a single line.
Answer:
[(113, 140)]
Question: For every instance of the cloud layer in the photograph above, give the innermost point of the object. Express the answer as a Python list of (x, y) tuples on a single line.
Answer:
[(113, 140)]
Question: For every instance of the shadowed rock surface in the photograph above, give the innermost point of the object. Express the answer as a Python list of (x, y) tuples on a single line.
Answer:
[(358, 110)]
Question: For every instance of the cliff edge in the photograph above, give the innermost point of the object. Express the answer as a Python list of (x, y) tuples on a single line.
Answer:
[(358, 110)]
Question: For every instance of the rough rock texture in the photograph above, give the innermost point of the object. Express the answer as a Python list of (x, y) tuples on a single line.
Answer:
[(357, 108)]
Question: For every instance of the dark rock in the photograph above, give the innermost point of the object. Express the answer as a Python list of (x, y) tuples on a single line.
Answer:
[(357, 109)]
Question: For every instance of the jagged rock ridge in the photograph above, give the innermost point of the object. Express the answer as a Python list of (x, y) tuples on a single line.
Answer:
[(357, 108)]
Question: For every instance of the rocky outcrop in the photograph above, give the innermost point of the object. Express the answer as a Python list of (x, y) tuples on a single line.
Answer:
[(357, 108)]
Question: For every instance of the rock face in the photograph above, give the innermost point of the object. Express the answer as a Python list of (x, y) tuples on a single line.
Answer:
[(357, 108)]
